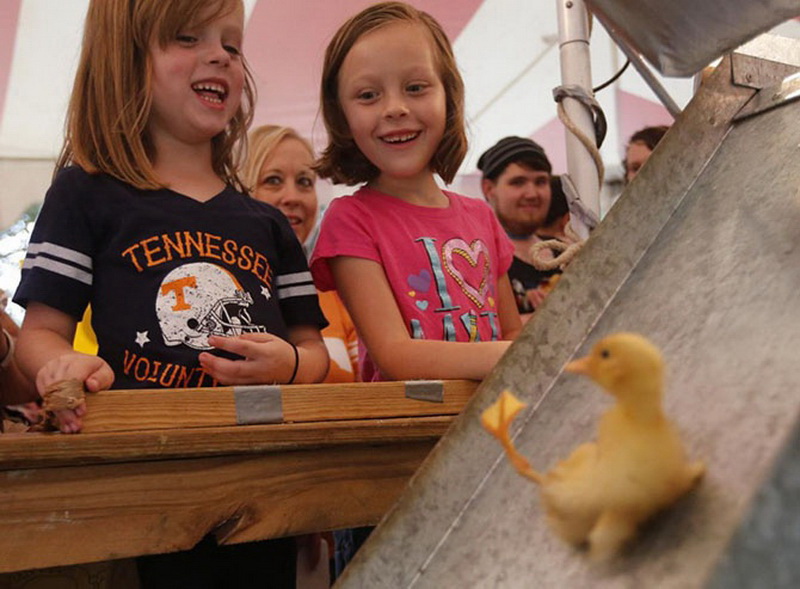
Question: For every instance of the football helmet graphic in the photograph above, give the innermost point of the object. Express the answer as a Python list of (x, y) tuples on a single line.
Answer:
[(200, 299)]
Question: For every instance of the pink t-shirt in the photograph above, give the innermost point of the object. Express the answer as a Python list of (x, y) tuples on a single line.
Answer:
[(442, 264)]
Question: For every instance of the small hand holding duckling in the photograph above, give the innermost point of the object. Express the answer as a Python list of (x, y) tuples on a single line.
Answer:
[(604, 490)]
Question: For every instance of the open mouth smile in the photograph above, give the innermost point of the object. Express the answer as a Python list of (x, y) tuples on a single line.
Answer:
[(212, 92), (400, 137)]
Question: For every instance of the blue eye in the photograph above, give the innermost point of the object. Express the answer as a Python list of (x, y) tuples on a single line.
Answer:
[(232, 49), (186, 39)]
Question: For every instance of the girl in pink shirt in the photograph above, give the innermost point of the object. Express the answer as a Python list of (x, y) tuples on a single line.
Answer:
[(421, 270)]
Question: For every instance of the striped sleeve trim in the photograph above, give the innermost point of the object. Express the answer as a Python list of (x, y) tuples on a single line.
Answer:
[(298, 284), (59, 260), (294, 278), (297, 291)]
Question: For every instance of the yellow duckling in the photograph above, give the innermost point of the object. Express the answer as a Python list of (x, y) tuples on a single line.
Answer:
[(604, 490)]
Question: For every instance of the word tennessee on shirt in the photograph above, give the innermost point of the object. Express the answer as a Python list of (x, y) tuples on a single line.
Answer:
[(160, 249)]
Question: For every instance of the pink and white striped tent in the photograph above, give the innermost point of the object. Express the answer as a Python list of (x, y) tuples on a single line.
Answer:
[(507, 51)]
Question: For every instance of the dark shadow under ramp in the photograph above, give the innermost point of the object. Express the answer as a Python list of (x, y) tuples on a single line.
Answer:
[(702, 256)]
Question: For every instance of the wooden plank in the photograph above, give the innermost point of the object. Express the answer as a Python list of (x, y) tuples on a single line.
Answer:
[(134, 483), (59, 516), (28, 450), (125, 410)]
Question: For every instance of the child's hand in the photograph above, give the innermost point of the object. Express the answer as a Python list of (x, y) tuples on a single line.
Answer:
[(536, 296), (94, 372), (267, 359)]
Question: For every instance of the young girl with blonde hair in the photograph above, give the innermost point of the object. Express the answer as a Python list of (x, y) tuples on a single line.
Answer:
[(421, 270), (192, 283)]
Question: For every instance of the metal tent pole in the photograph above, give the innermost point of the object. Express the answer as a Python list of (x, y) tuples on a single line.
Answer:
[(573, 33)]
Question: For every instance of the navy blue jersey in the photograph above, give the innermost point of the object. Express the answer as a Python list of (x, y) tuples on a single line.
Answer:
[(163, 271)]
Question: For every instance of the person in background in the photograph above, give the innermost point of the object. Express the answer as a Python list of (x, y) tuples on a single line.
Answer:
[(640, 146), (557, 219), (516, 183), (15, 387), (279, 171)]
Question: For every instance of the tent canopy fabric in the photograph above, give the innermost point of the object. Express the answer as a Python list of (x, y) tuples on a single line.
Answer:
[(507, 51)]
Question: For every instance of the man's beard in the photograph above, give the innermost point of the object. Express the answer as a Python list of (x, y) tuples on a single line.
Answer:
[(519, 227)]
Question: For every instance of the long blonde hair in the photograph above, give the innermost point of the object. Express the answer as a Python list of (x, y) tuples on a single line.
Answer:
[(262, 143), (106, 124)]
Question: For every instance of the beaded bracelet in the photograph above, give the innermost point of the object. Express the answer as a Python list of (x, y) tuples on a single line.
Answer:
[(296, 363)]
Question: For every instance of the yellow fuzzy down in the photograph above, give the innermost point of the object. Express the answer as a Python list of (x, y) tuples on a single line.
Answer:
[(605, 489)]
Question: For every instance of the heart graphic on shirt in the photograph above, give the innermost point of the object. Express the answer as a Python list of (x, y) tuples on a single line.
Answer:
[(458, 253), (420, 282), (422, 305)]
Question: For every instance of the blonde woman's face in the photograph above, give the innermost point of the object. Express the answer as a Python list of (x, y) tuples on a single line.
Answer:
[(287, 182)]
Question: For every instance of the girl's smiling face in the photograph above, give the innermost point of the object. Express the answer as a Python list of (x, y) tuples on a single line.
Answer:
[(286, 180), (197, 80), (392, 96)]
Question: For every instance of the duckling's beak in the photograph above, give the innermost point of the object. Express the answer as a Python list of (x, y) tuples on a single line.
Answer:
[(580, 366)]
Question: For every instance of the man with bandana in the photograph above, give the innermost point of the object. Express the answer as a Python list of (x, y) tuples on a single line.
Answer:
[(516, 183)]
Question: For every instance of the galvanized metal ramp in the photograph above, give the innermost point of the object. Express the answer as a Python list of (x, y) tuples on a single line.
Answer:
[(701, 255)]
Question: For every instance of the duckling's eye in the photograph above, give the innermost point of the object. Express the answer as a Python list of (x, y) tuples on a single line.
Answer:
[(605, 354)]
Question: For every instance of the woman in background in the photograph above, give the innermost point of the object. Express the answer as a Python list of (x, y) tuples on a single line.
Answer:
[(279, 171)]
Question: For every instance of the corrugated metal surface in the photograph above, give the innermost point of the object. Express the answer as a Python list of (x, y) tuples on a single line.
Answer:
[(681, 37), (701, 256)]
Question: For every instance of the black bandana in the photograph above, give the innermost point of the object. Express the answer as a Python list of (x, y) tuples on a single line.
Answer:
[(509, 150)]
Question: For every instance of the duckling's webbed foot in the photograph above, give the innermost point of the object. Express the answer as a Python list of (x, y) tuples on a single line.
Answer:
[(496, 419), (611, 532)]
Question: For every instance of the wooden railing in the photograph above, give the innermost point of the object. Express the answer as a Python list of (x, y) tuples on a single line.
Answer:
[(156, 470)]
